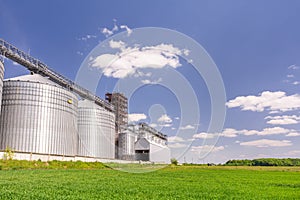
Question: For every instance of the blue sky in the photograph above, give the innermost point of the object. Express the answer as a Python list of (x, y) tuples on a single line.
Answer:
[(255, 45)]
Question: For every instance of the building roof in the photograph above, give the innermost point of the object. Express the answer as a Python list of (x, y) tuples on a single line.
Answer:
[(36, 78)]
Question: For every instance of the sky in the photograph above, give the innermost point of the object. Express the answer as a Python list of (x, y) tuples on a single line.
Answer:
[(255, 46)]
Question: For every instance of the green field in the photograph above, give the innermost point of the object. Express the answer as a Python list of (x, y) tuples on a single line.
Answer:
[(180, 182)]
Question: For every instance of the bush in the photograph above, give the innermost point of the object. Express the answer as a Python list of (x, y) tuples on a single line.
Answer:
[(174, 161)]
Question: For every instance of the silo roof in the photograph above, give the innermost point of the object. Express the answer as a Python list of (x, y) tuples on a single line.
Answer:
[(36, 78)]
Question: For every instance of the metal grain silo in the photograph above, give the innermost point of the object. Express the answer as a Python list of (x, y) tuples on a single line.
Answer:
[(96, 130), (1, 81), (38, 117), (126, 142)]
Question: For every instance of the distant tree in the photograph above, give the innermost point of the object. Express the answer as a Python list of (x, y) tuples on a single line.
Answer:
[(174, 161), (265, 162)]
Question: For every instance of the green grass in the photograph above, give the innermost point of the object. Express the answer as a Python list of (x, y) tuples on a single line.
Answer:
[(24, 164), (182, 182)]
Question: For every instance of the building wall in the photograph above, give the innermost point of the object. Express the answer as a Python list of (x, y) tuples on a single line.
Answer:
[(126, 145), (149, 151), (1, 81), (159, 154), (39, 118), (96, 130)]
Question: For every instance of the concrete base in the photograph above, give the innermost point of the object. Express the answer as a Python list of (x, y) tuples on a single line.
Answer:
[(45, 158)]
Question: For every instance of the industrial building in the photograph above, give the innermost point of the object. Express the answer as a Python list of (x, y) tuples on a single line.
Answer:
[(151, 145), (142, 142), (45, 113), (1, 81)]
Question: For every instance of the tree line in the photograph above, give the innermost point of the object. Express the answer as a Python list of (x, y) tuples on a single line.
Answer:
[(265, 162)]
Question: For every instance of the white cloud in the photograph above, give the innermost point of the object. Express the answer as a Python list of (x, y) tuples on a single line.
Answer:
[(296, 83), (283, 120), (135, 117), (272, 101), (176, 145), (129, 31), (165, 119), (129, 60), (147, 81), (290, 76), (187, 127), (207, 148), (293, 67), (231, 133), (175, 139), (267, 143), (107, 32), (186, 52), (117, 44), (203, 135), (153, 125), (166, 125), (115, 28), (293, 134), (177, 118)]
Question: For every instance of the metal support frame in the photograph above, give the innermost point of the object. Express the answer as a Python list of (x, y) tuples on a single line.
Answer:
[(13, 53)]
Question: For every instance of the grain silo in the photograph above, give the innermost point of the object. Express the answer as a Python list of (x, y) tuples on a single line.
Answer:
[(1, 81), (126, 143), (96, 130), (38, 117)]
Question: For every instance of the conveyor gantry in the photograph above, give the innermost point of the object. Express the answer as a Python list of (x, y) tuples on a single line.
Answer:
[(11, 52)]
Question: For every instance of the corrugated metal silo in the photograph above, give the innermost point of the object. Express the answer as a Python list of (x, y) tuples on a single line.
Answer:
[(38, 116), (96, 130), (126, 145), (1, 81)]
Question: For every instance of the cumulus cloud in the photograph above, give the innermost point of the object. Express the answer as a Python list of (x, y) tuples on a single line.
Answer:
[(271, 101), (293, 134), (129, 60), (117, 44), (165, 119), (290, 76), (231, 133), (135, 117), (267, 143), (187, 127), (283, 120), (294, 67), (107, 32), (207, 148), (129, 31)]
